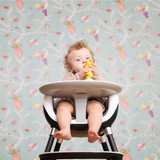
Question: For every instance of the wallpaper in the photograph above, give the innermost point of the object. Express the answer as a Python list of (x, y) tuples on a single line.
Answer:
[(125, 38)]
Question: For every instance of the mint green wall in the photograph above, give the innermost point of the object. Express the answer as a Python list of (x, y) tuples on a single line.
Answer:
[(125, 38)]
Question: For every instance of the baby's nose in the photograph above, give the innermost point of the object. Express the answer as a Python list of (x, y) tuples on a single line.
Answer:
[(84, 61)]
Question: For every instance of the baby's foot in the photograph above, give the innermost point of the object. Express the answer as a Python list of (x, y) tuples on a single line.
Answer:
[(92, 136), (63, 134)]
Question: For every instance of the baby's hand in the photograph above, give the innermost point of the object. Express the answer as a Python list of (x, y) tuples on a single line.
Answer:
[(86, 69), (93, 67)]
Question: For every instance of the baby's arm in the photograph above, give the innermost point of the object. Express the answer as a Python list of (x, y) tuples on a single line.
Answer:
[(97, 76)]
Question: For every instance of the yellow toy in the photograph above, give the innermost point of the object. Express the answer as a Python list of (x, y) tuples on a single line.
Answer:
[(89, 74)]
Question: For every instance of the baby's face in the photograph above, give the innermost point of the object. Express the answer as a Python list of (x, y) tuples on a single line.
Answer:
[(78, 59)]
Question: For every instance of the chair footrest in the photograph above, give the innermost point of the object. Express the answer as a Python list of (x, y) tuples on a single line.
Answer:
[(79, 155)]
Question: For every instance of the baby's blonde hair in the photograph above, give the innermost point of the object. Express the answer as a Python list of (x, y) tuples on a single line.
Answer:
[(76, 46)]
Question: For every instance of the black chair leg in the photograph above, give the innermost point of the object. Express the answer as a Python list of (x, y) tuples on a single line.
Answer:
[(111, 139), (103, 141), (58, 144), (50, 140)]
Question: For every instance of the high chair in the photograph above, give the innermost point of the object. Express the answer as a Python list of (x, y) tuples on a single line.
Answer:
[(81, 90)]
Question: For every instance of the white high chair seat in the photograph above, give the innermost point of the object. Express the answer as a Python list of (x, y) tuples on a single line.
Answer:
[(81, 91)]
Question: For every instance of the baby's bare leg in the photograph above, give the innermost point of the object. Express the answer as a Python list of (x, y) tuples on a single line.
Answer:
[(95, 115), (64, 112)]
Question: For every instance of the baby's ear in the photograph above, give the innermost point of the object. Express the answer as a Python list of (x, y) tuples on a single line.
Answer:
[(70, 68)]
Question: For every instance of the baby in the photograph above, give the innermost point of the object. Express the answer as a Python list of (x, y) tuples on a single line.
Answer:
[(78, 55)]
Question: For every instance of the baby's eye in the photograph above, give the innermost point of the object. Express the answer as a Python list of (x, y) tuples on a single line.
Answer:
[(78, 59), (87, 58)]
